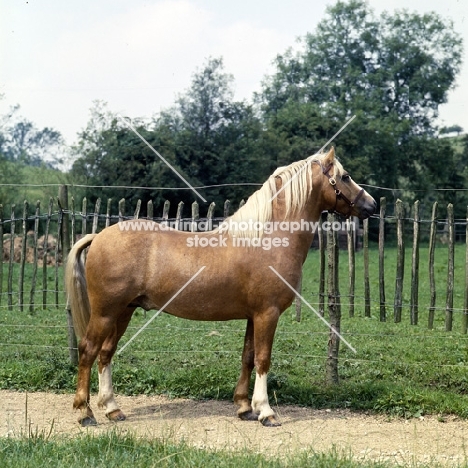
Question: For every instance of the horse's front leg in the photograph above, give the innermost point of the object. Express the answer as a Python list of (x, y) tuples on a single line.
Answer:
[(241, 394), (264, 332)]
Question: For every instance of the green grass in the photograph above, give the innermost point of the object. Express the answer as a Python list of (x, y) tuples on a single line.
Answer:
[(120, 450), (399, 369)]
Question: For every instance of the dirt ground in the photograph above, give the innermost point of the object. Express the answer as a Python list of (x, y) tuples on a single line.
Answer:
[(213, 424)]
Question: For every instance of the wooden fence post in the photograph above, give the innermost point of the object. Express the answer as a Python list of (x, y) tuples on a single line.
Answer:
[(227, 205), (121, 210), (334, 306), (167, 206), (64, 237), (45, 247), (24, 241), (365, 242), (136, 215), (32, 292), (383, 306), (414, 306), (450, 269), (321, 238), (180, 209), (57, 252), (351, 264), (210, 214), (84, 216), (108, 212), (12, 255), (432, 286), (73, 222), (97, 209), (149, 210), (400, 262), (65, 232), (195, 216)]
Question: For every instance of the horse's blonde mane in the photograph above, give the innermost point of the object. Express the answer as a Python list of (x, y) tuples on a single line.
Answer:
[(297, 182)]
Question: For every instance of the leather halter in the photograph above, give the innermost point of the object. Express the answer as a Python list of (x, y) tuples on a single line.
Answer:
[(339, 194)]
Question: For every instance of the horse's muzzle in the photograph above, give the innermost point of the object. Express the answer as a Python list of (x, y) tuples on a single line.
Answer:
[(368, 208)]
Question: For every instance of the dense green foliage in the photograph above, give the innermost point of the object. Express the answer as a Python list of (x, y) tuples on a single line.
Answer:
[(208, 139), (392, 72)]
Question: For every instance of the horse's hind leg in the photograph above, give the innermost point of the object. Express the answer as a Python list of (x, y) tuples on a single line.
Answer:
[(106, 397), (90, 345), (241, 394)]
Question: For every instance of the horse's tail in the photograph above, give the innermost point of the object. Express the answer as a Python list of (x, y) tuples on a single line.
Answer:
[(75, 284)]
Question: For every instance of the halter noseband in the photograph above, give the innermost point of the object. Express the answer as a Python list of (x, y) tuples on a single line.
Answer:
[(338, 192)]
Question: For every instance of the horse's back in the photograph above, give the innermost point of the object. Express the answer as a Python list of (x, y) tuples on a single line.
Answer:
[(127, 264)]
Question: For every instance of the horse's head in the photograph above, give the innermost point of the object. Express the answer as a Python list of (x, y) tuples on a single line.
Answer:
[(340, 193)]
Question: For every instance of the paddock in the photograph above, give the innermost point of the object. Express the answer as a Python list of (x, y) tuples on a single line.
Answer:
[(209, 425)]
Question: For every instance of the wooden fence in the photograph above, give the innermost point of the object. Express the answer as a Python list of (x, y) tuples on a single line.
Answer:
[(40, 237)]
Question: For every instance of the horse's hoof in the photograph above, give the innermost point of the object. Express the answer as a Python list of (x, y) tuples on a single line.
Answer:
[(116, 416), (87, 421), (248, 416), (270, 421)]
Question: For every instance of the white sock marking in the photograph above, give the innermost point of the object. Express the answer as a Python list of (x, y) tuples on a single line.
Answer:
[(106, 392), (260, 403)]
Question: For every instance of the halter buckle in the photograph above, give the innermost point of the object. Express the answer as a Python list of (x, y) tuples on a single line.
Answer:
[(332, 181)]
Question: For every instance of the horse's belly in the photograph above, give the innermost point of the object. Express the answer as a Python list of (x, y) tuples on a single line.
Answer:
[(208, 315), (192, 310)]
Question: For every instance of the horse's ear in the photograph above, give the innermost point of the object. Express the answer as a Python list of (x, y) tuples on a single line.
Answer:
[(329, 157)]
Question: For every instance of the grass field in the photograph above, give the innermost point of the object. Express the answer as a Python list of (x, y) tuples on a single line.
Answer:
[(122, 451), (399, 369)]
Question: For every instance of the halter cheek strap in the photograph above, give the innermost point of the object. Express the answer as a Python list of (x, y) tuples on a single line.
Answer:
[(338, 193)]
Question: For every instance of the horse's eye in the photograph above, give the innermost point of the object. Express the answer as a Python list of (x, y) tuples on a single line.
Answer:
[(345, 177)]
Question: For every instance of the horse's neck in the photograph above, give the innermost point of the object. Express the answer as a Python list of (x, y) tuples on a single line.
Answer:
[(299, 230)]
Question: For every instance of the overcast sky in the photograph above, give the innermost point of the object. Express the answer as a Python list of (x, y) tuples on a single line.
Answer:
[(58, 56)]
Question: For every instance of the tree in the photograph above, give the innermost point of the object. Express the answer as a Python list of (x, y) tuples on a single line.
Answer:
[(111, 155), (392, 72), (207, 137), (214, 139), (452, 129), (28, 155), (21, 141)]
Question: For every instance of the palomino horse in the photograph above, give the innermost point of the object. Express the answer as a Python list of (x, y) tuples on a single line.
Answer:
[(140, 263)]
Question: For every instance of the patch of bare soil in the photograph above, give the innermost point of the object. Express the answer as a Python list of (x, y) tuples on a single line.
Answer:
[(214, 425)]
